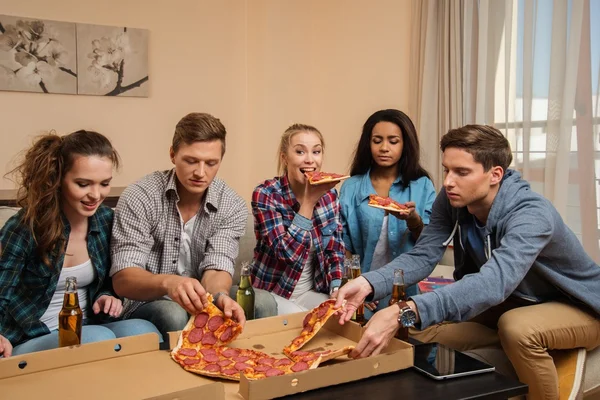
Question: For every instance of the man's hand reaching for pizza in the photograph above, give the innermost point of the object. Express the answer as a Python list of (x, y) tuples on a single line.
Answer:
[(231, 309), (187, 292), (380, 329), (354, 292)]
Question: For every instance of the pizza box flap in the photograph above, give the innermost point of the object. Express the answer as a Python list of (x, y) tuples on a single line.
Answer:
[(125, 368), (270, 335)]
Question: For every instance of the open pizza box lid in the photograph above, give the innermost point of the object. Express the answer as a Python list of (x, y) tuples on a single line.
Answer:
[(126, 368), (270, 335)]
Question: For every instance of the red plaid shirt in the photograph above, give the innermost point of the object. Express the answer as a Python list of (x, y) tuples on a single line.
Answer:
[(284, 239)]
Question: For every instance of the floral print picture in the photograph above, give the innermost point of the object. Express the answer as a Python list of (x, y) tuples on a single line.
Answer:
[(112, 61), (61, 57), (37, 55)]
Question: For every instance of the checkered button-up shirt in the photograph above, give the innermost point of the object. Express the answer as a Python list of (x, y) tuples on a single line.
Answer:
[(27, 284), (284, 239), (147, 229)]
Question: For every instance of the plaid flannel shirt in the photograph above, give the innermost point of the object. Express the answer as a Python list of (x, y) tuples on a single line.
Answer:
[(147, 229), (27, 284), (284, 239)]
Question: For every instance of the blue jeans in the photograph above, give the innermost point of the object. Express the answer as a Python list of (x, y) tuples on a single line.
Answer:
[(90, 334), (169, 316)]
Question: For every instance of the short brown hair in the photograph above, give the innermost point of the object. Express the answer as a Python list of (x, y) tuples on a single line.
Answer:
[(286, 138), (198, 127), (486, 144)]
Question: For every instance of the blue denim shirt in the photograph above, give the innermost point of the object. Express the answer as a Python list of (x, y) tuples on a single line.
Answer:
[(362, 224)]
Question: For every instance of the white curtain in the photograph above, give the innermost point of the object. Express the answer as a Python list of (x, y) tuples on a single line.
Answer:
[(526, 67)]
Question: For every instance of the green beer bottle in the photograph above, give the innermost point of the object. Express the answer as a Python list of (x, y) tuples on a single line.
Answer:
[(245, 292)]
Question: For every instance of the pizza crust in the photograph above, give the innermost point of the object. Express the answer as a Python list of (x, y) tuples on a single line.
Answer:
[(391, 208)]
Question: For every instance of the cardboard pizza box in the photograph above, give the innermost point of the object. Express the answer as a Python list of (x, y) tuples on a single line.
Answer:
[(270, 335), (126, 368)]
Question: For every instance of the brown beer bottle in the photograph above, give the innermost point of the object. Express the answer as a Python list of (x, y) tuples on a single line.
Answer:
[(399, 294), (70, 317), (359, 315), (345, 271)]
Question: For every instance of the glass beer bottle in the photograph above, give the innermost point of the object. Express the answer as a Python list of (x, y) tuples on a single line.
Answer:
[(399, 294), (70, 317), (345, 271), (245, 292), (359, 315)]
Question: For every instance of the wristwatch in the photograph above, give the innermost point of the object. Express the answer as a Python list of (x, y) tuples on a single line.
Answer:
[(407, 318)]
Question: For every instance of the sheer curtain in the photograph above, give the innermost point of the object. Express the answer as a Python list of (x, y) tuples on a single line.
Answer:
[(530, 68)]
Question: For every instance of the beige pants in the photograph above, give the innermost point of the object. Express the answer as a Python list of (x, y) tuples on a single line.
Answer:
[(526, 333)]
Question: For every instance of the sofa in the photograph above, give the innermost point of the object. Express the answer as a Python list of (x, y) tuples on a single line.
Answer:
[(583, 384)]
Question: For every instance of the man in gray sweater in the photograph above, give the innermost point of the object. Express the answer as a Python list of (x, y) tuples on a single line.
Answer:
[(523, 279)]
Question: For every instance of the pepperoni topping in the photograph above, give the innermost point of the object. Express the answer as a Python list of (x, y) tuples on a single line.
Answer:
[(300, 353), (274, 372), (230, 371), (188, 352), (323, 310), (211, 358), (266, 361), (307, 320), (206, 352), (230, 352), (225, 336), (224, 363), (309, 357), (299, 366), (240, 366), (215, 322), (262, 368), (212, 368), (283, 361), (240, 358), (191, 361), (195, 335), (200, 320), (209, 338)]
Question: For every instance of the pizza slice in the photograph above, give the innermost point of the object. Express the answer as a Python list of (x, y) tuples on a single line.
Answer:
[(318, 177), (230, 363), (386, 203), (210, 328), (313, 322), (319, 357)]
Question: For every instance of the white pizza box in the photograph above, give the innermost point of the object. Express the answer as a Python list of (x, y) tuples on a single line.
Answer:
[(126, 368), (270, 335)]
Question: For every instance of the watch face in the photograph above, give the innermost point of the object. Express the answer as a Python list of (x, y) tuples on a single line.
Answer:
[(408, 318)]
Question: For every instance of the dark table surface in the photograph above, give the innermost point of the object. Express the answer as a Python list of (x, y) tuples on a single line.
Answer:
[(410, 384)]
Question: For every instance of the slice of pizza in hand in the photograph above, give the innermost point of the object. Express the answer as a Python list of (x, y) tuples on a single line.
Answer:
[(318, 177), (209, 328), (386, 203), (313, 322)]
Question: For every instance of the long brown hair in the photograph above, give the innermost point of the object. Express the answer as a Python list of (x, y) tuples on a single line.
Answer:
[(39, 177), (409, 165)]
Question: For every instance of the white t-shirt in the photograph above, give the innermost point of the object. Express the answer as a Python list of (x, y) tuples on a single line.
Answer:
[(184, 265), (85, 274), (306, 282), (381, 252)]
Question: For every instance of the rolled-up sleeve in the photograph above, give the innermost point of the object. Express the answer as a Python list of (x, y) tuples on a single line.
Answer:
[(222, 248)]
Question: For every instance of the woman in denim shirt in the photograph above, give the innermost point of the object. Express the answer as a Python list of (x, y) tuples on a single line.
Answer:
[(61, 230), (386, 163)]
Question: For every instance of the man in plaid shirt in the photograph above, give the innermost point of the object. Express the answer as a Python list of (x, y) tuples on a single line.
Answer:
[(176, 234)]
